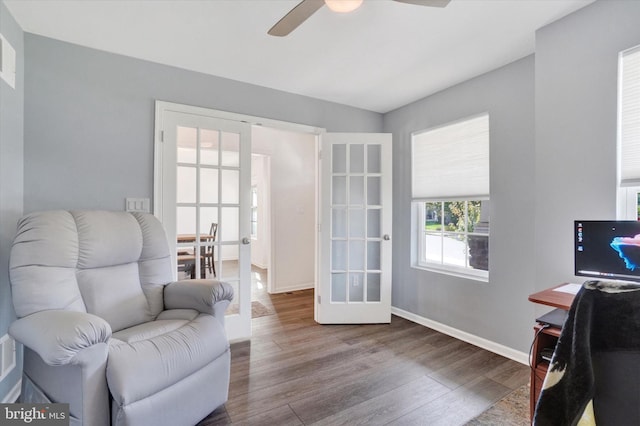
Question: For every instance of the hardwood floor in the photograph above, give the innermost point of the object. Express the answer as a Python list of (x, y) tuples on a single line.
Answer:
[(297, 372)]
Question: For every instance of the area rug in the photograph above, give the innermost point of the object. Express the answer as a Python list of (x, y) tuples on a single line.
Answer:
[(512, 410), (257, 310)]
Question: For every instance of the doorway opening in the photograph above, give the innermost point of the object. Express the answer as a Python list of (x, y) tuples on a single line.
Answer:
[(283, 213)]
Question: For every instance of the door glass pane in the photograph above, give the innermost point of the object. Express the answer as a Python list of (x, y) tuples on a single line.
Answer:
[(356, 287), (338, 255), (228, 227), (230, 157), (338, 287), (227, 269), (373, 159), (373, 255), (234, 306), (186, 184), (209, 186), (230, 186), (373, 223), (339, 158), (209, 147), (373, 287), (186, 143), (186, 155), (356, 255), (185, 220), (339, 223), (230, 149), (186, 263), (356, 223), (356, 190), (373, 191), (356, 158), (339, 193), (208, 216)]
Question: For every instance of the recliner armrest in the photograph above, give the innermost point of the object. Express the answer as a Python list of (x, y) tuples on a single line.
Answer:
[(206, 296), (57, 336)]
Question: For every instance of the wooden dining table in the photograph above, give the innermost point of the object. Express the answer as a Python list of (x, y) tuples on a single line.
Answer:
[(187, 261), (191, 238)]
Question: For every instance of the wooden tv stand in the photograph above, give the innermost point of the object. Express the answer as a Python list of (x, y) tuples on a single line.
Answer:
[(546, 338)]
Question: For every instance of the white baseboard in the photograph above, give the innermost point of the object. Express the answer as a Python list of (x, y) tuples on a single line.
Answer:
[(260, 265), (13, 394), (489, 345), (297, 287)]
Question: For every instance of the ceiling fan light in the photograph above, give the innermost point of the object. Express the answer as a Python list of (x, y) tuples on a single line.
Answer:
[(343, 6)]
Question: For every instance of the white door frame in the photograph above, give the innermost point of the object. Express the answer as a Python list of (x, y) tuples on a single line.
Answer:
[(162, 106)]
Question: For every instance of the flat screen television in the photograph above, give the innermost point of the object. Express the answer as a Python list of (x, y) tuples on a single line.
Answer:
[(607, 249)]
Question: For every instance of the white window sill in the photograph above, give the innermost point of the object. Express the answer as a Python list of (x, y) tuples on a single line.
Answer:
[(470, 274)]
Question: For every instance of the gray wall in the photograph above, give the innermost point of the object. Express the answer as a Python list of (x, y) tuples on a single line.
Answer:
[(546, 171), (576, 95), (89, 120), (497, 310), (11, 182)]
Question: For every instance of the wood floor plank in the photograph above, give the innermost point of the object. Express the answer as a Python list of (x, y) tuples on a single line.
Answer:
[(353, 390), (455, 407), (467, 369), (297, 372), (281, 416), (388, 406)]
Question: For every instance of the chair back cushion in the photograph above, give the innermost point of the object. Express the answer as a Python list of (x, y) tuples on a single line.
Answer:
[(110, 264)]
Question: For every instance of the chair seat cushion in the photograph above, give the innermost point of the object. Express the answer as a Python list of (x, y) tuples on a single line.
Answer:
[(150, 357)]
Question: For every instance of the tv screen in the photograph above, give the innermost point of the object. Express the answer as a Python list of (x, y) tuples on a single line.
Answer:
[(607, 249)]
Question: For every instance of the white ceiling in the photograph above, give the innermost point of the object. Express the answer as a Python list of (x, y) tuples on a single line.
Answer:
[(382, 56)]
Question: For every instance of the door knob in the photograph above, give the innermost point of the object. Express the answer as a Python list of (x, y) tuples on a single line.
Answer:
[(386, 237), (246, 240)]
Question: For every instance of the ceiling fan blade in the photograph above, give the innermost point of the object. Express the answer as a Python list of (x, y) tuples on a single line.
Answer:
[(295, 17), (432, 3)]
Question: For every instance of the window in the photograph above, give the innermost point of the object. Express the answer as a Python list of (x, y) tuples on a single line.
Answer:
[(450, 191), (629, 133)]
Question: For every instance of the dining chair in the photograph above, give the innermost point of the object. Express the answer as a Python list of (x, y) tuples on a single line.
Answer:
[(210, 252)]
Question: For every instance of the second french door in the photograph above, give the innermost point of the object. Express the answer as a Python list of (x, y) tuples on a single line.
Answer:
[(354, 283)]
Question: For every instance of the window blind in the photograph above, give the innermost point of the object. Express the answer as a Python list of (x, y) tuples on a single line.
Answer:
[(630, 118), (452, 161)]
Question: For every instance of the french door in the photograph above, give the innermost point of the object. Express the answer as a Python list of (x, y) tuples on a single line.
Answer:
[(204, 203), (354, 284)]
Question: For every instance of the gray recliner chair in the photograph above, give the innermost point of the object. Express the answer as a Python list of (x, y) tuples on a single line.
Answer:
[(106, 330)]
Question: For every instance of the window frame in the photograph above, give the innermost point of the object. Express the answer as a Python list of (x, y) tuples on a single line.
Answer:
[(470, 171), (628, 189), (420, 261)]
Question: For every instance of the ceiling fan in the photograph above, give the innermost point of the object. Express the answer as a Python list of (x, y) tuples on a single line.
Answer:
[(306, 8)]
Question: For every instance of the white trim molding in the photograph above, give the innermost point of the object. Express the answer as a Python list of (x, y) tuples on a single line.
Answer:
[(489, 345), (296, 287)]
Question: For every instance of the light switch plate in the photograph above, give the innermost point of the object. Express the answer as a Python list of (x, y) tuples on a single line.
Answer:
[(137, 205)]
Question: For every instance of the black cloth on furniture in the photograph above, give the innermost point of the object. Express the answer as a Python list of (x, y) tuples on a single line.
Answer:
[(598, 348)]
